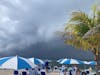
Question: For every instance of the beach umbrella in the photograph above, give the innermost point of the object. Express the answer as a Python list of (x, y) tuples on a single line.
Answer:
[(85, 62), (36, 61), (70, 61), (60, 60), (90, 62), (15, 62)]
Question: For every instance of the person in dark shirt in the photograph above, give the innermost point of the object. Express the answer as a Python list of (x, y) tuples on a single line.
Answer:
[(46, 65)]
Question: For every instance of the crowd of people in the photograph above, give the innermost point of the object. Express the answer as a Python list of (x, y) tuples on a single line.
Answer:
[(44, 69), (34, 71), (40, 69), (74, 70)]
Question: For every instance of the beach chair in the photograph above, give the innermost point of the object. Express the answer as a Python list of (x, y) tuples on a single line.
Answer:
[(15, 72)]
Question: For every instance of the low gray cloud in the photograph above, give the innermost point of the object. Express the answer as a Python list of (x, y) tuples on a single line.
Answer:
[(26, 22)]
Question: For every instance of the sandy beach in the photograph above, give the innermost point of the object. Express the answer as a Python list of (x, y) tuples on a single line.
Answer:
[(6, 72), (10, 72), (53, 73)]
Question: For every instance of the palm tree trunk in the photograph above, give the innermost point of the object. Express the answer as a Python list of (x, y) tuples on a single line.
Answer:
[(98, 64), (97, 59), (97, 56)]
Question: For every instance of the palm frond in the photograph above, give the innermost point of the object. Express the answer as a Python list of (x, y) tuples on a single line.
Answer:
[(98, 17), (92, 32), (81, 29), (81, 17)]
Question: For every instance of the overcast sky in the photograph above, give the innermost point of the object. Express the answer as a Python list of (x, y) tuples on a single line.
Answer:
[(30, 25)]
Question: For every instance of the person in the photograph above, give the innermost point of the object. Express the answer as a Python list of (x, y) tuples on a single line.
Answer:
[(74, 69), (27, 72), (62, 70), (24, 73), (35, 71), (39, 71), (78, 72), (90, 71), (43, 71), (46, 65), (83, 73), (65, 71), (30, 72), (70, 72), (15, 72)]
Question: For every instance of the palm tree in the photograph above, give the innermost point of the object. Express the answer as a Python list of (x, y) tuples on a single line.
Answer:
[(83, 31)]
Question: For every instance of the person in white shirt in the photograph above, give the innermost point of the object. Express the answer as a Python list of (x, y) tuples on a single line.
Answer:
[(74, 69), (43, 71)]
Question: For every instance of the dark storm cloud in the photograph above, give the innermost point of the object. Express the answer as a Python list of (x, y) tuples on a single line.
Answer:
[(25, 23), (52, 51)]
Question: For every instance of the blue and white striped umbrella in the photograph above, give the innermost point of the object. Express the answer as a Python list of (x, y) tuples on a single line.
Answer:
[(85, 62), (71, 61), (15, 62), (60, 60), (36, 61), (90, 62)]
